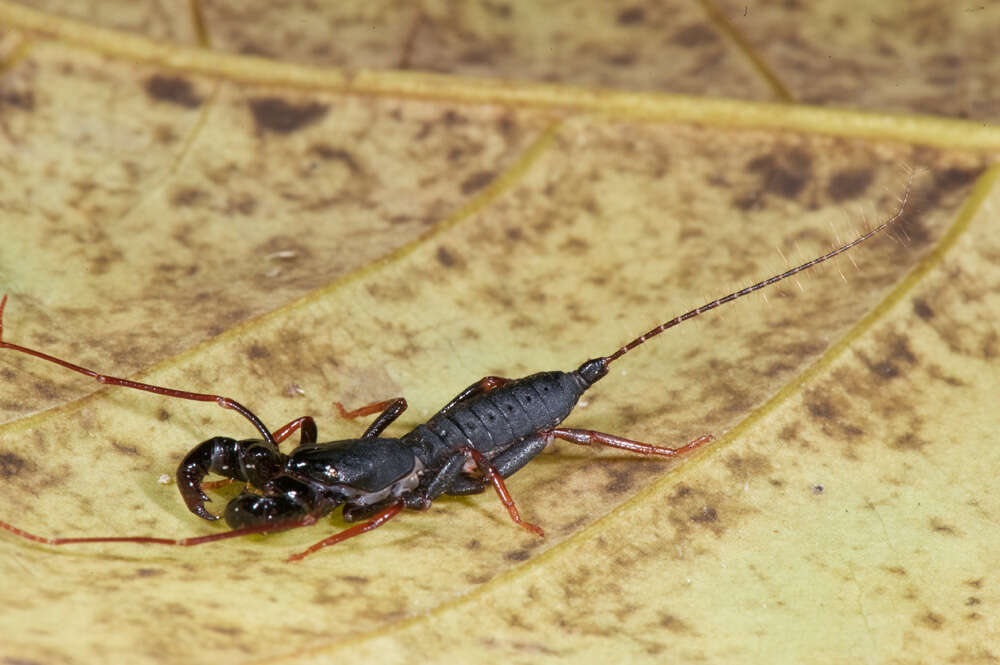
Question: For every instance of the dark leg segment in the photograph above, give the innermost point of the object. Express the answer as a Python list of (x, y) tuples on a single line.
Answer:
[(483, 385), (390, 408), (586, 437), (308, 426), (224, 402)]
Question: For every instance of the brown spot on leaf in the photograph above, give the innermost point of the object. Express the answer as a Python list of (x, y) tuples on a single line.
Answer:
[(518, 555), (125, 450), (672, 623), (631, 16), (932, 620), (939, 526), (909, 441), (477, 181), (743, 466), (954, 178), (922, 309), (849, 184), (820, 407), (258, 352), (329, 153), (23, 100), (188, 196), (705, 515), (783, 173), (694, 35), (449, 259), (621, 481), (11, 465), (276, 115), (172, 89)]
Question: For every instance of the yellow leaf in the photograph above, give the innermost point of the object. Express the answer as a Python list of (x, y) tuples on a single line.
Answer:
[(267, 204)]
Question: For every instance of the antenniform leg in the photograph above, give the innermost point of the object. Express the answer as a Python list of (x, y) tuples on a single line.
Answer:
[(148, 540), (224, 402)]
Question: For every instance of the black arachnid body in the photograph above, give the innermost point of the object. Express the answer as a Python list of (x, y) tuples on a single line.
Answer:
[(485, 434)]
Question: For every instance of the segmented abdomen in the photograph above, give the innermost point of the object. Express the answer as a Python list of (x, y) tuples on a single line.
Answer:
[(493, 421)]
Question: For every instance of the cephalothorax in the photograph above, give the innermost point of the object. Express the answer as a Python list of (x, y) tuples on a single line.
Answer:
[(485, 434)]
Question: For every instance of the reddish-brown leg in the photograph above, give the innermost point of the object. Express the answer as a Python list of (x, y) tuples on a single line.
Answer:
[(366, 410), (224, 402), (586, 437), (305, 423), (390, 410), (148, 540), (490, 473), (378, 520)]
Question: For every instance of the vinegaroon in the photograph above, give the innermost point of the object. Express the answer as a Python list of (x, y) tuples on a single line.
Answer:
[(485, 434)]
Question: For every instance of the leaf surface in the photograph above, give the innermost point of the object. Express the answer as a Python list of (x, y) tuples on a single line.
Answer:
[(226, 200)]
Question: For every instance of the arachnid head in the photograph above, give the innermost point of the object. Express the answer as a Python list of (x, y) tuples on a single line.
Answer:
[(353, 467)]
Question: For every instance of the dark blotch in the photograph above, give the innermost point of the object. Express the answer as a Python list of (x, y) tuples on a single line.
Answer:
[(693, 35), (821, 408), (784, 174), (519, 555), (172, 89), (451, 118), (258, 352), (954, 178), (672, 623), (932, 621), (446, 258), (125, 450), (19, 99), (477, 181), (849, 184), (939, 526), (188, 196), (885, 370), (11, 465), (922, 309), (705, 516), (817, 489), (621, 481), (276, 115), (148, 572), (631, 16), (329, 153), (972, 600)]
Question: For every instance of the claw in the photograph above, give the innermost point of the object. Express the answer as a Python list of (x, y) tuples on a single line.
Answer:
[(196, 465)]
